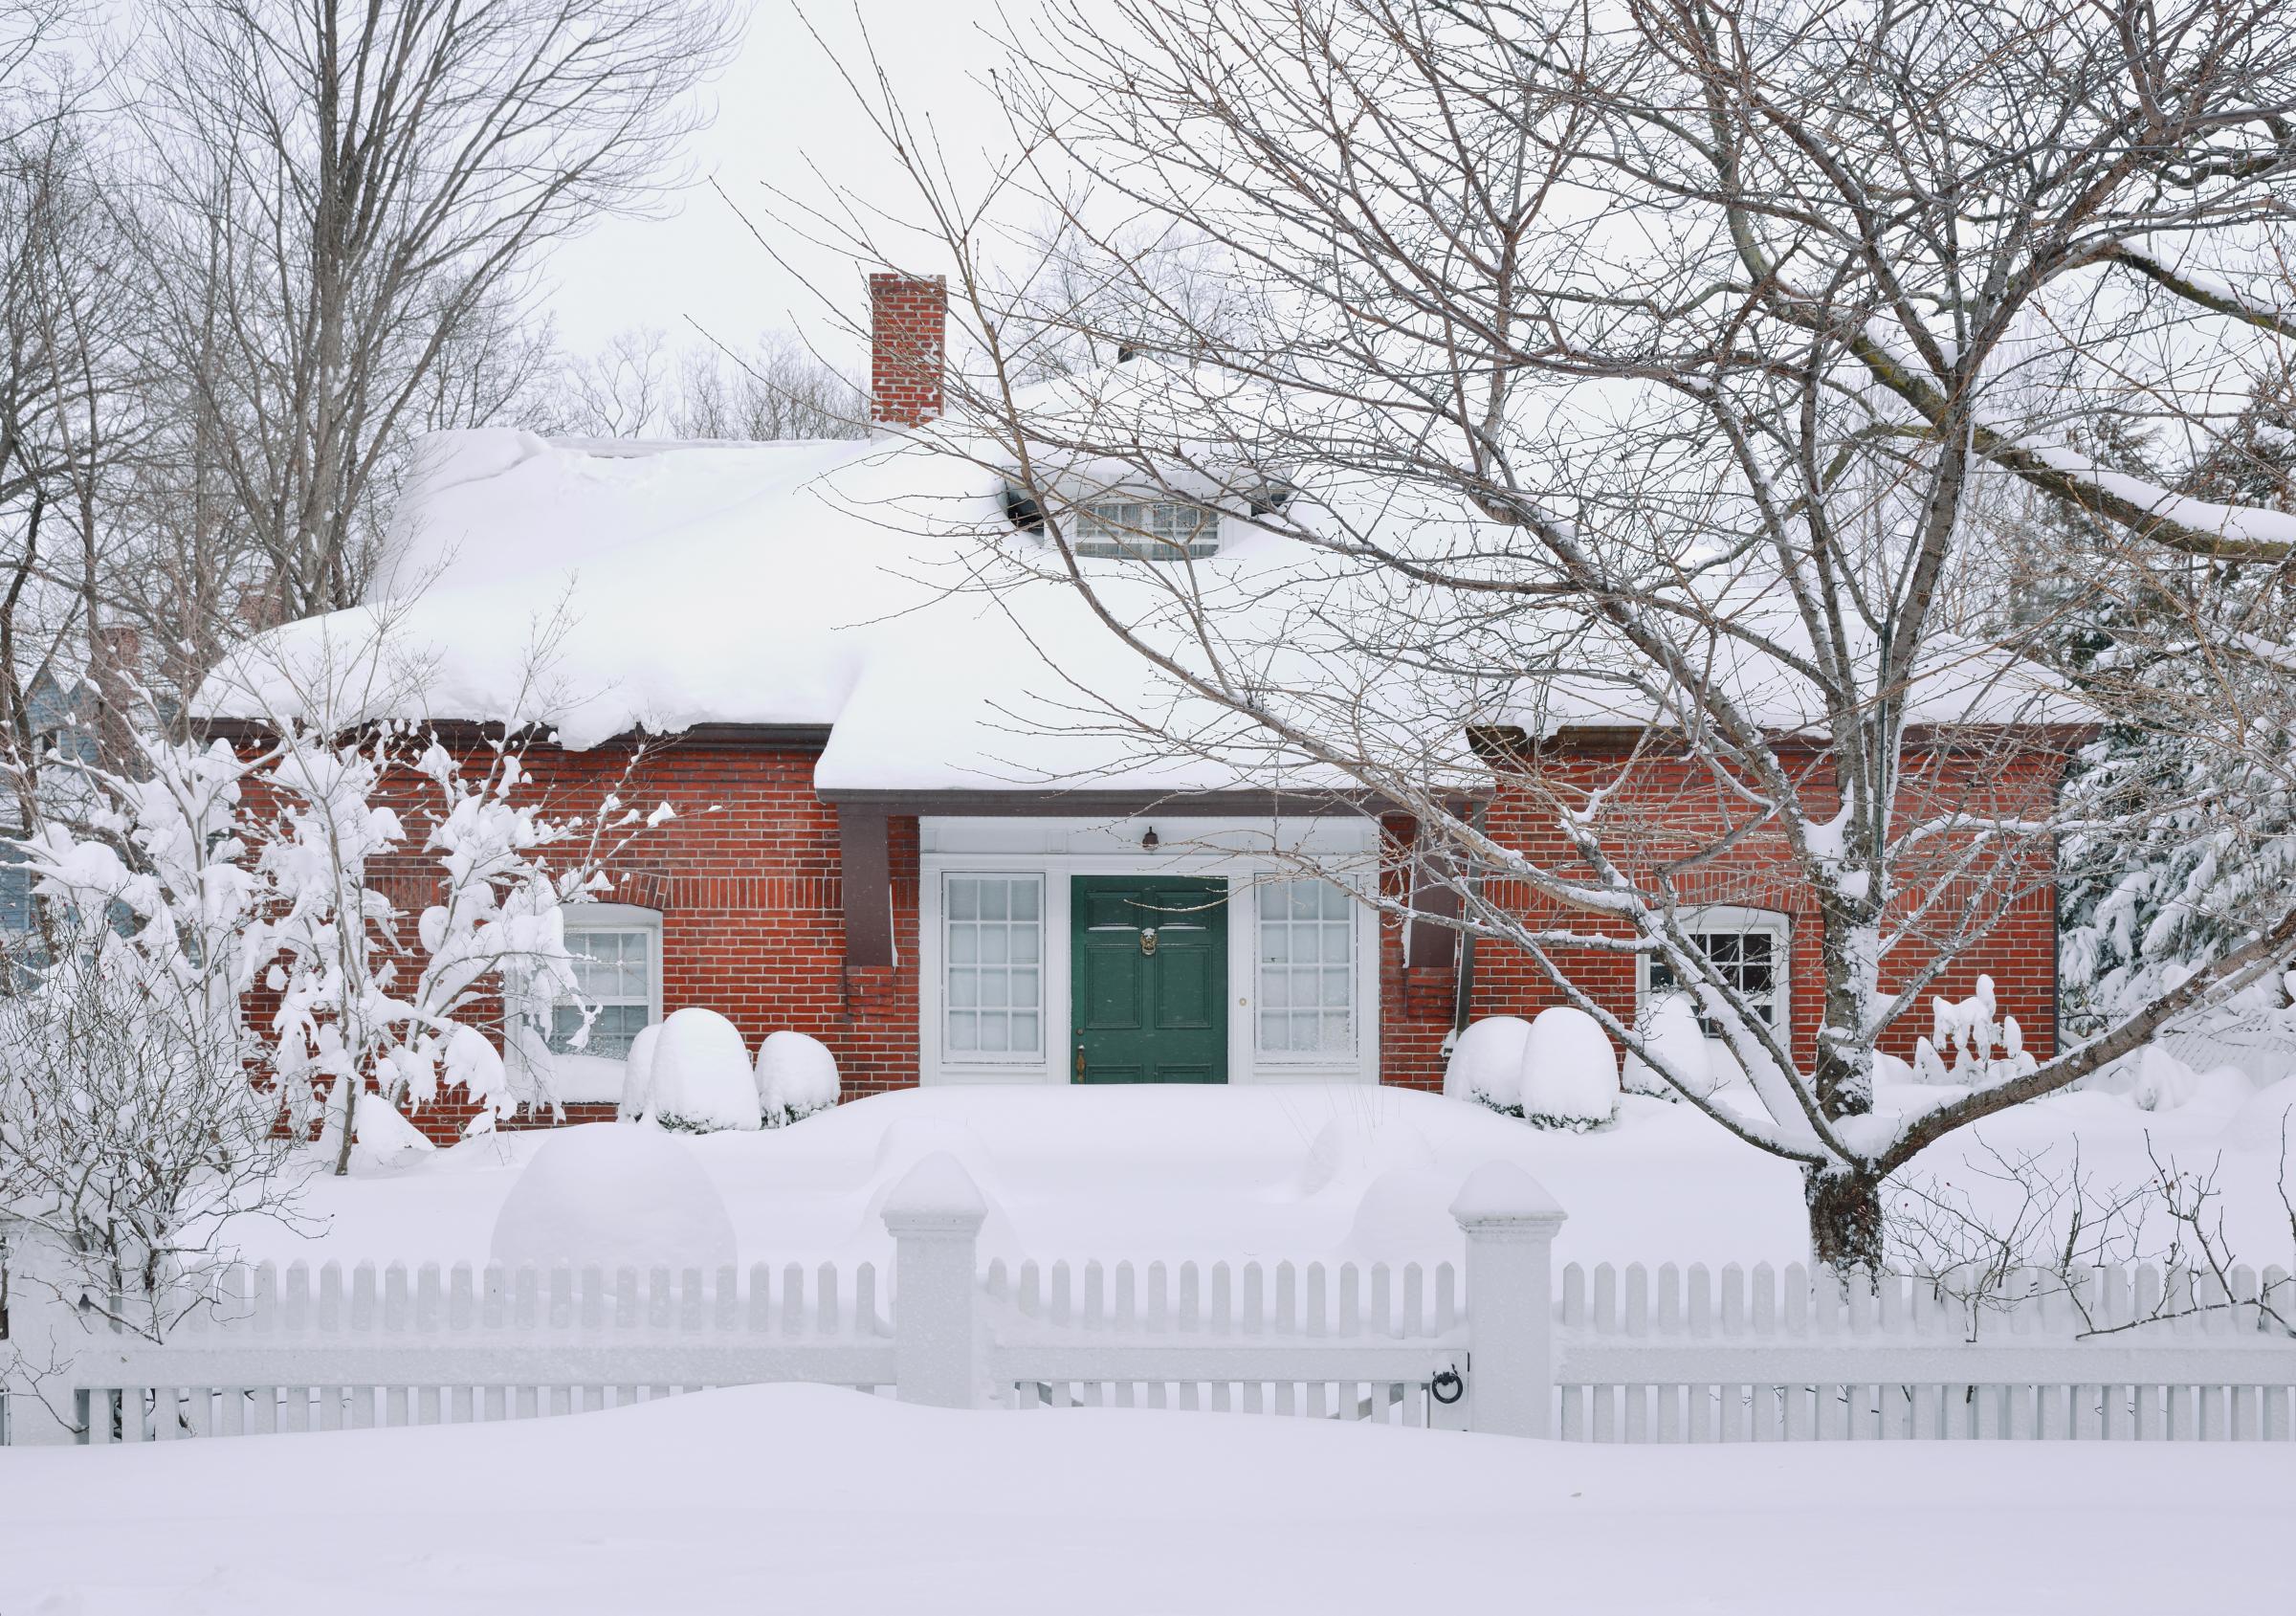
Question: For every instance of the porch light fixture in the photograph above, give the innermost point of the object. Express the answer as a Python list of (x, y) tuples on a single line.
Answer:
[(1148, 842)]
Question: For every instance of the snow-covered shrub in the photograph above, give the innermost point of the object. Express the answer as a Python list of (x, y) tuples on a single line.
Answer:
[(128, 1123), (702, 1082), (637, 1074), (337, 951), (1968, 1028), (1670, 1029), (2157, 1080), (613, 1196), (1487, 1064), (127, 1116), (383, 1136), (797, 1076), (1570, 1072)]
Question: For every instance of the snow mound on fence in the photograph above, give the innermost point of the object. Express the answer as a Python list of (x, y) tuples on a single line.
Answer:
[(1570, 1072), (910, 1139), (1486, 1063), (1674, 1036), (701, 1080), (797, 1076), (1405, 1216), (602, 1193)]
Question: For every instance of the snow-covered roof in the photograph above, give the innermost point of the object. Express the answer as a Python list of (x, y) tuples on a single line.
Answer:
[(879, 588), (606, 588)]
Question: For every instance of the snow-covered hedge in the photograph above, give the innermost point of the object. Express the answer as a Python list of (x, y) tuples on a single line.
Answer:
[(1671, 1031), (797, 1076), (1487, 1064), (1556, 1071), (637, 1074), (699, 1076), (1570, 1072), (692, 1073)]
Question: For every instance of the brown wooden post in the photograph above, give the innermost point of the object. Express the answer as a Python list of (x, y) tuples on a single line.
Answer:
[(865, 872)]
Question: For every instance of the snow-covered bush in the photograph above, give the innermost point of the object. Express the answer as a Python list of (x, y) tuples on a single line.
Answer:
[(613, 1196), (1487, 1064), (338, 952), (797, 1076), (223, 869), (1968, 1028), (1570, 1072), (127, 1118), (1671, 1031), (2157, 1080), (702, 1078), (1556, 1071), (637, 1074)]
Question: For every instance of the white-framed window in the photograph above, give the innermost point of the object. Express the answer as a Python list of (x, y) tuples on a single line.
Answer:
[(617, 950), (1747, 948), (1147, 530), (992, 968), (1305, 965)]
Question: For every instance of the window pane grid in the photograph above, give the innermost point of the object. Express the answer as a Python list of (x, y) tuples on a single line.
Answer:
[(1746, 958), (1146, 529), (613, 970), (993, 966), (1305, 970)]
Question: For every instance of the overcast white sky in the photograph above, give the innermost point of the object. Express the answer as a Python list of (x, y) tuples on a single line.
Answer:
[(780, 104)]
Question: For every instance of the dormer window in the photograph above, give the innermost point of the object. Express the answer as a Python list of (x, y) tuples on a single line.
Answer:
[(1146, 529)]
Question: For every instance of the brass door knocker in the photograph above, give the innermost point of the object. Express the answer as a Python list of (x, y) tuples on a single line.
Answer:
[(1147, 939)]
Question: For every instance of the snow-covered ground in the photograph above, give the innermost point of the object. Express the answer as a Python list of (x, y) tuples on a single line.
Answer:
[(804, 1499), (1211, 1173)]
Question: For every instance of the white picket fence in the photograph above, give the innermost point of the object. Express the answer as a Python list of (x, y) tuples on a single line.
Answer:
[(1340, 1340), (1681, 1356), (1763, 1356), (434, 1347)]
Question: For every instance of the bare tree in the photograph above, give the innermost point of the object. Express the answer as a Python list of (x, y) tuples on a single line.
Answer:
[(354, 201), (71, 406), (1682, 369), (636, 388)]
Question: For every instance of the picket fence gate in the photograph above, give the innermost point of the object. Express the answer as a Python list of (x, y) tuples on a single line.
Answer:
[(1625, 1355), (1341, 1340)]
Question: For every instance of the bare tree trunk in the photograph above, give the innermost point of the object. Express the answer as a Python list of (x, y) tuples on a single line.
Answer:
[(1845, 1219), (351, 1125)]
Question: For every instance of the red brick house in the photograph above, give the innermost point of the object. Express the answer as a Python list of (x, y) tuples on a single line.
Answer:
[(888, 839)]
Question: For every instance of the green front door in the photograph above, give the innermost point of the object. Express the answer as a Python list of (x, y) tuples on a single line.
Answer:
[(1149, 979)]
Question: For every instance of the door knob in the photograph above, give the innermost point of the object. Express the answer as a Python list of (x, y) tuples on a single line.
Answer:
[(1080, 1061)]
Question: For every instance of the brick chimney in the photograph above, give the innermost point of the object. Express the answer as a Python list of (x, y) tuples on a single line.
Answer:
[(118, 649), (908, 323)]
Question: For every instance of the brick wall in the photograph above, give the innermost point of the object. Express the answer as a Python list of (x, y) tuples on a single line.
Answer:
[(1668, 808), (746, 880)]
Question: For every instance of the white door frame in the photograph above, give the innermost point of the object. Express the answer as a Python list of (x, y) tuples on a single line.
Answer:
[(1058, 849)]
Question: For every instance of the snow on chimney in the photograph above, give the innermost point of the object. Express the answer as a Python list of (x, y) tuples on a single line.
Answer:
[(907, 322)]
